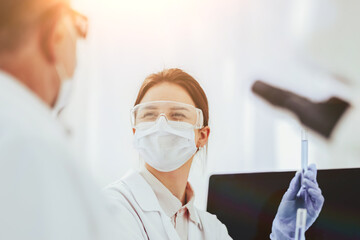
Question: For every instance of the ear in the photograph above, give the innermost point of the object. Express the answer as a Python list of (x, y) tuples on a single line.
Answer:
[(204, 134), (51, 34)]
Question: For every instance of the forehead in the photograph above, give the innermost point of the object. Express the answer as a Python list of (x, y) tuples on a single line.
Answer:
[(167, 92)]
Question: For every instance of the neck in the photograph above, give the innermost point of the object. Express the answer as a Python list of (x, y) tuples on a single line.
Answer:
[(28, 68), (175, 181)]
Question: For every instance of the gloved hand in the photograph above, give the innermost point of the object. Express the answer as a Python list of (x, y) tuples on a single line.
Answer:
[(311, 199)]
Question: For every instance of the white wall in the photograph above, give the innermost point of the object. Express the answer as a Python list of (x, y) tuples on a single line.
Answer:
[(225, 45)]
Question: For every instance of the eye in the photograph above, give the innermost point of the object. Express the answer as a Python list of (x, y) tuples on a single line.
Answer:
[(148, 115), (178, 115)]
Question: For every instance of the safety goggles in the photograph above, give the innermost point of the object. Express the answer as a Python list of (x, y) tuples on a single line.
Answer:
[(147, 114)]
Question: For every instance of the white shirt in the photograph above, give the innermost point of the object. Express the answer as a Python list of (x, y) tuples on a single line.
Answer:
[(136, 199), (180, 215), (43, 194)]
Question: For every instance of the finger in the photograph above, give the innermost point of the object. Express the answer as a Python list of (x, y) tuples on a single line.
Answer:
[(314, 191), (314, 194), (310, 184), (310, 175), (317, 197), (294, 187), (312, 170)]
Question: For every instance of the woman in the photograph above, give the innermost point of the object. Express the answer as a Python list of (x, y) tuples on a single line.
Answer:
[(170, 124)]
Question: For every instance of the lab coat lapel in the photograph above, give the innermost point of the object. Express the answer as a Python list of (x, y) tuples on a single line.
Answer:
[(142, 192), (195, 227), (170, 230), (147, 200), (194, 232)]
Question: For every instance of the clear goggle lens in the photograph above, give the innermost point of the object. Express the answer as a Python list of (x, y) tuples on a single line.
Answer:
[(147, 114)]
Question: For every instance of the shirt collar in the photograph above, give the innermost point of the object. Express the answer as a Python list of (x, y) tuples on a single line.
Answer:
[(168, 202), (18, 102), (18, 93), (190, 195)]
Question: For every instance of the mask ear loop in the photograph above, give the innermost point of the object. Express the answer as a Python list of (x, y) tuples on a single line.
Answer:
[(201, 155), (199, 124)]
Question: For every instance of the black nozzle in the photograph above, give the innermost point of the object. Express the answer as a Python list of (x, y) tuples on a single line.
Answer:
[(321, 117)]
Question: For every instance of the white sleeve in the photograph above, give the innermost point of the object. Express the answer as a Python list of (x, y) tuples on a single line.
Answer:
[(43, 196)]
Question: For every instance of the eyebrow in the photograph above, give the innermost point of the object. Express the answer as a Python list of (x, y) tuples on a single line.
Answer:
[(149, 107), (180, 108)]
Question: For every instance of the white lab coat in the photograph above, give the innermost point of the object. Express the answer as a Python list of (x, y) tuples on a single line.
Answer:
[(134, 195), (43, 194)]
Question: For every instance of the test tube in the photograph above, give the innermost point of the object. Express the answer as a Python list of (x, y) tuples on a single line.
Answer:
[(300, 224), (304, 151), (304, 157)]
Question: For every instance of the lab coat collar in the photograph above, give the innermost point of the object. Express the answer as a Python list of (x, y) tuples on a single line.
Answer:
[(20, 94), (171, 204), (142, 192), (146, 198)]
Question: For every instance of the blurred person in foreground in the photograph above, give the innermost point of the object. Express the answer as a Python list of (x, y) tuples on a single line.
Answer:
[(43, 194)]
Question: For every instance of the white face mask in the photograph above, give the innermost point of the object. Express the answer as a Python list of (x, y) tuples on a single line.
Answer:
[(65, 79), (166, 148), (64, 94)]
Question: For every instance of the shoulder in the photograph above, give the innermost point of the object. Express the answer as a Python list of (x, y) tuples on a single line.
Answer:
[(27, 128), (32, 159), (35, 149), (122, 203), (208, 218), (121, 194), (23, 113), (211, 223), (120, 189), (121, 197), (117, 194), (38, 136), (131, 185)]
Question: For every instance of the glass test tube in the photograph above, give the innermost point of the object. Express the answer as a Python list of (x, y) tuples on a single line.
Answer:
[(300, 224), (304, 156), (304, 150)]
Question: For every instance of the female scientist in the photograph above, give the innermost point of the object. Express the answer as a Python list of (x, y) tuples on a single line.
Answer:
[(170, 124)]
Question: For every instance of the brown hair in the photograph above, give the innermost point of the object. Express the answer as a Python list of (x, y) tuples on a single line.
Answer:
[(182, 79)]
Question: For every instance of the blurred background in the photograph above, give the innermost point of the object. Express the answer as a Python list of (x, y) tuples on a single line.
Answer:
[(226, 45)]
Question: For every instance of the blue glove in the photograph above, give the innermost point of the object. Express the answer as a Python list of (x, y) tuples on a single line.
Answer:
[(310, 198)]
